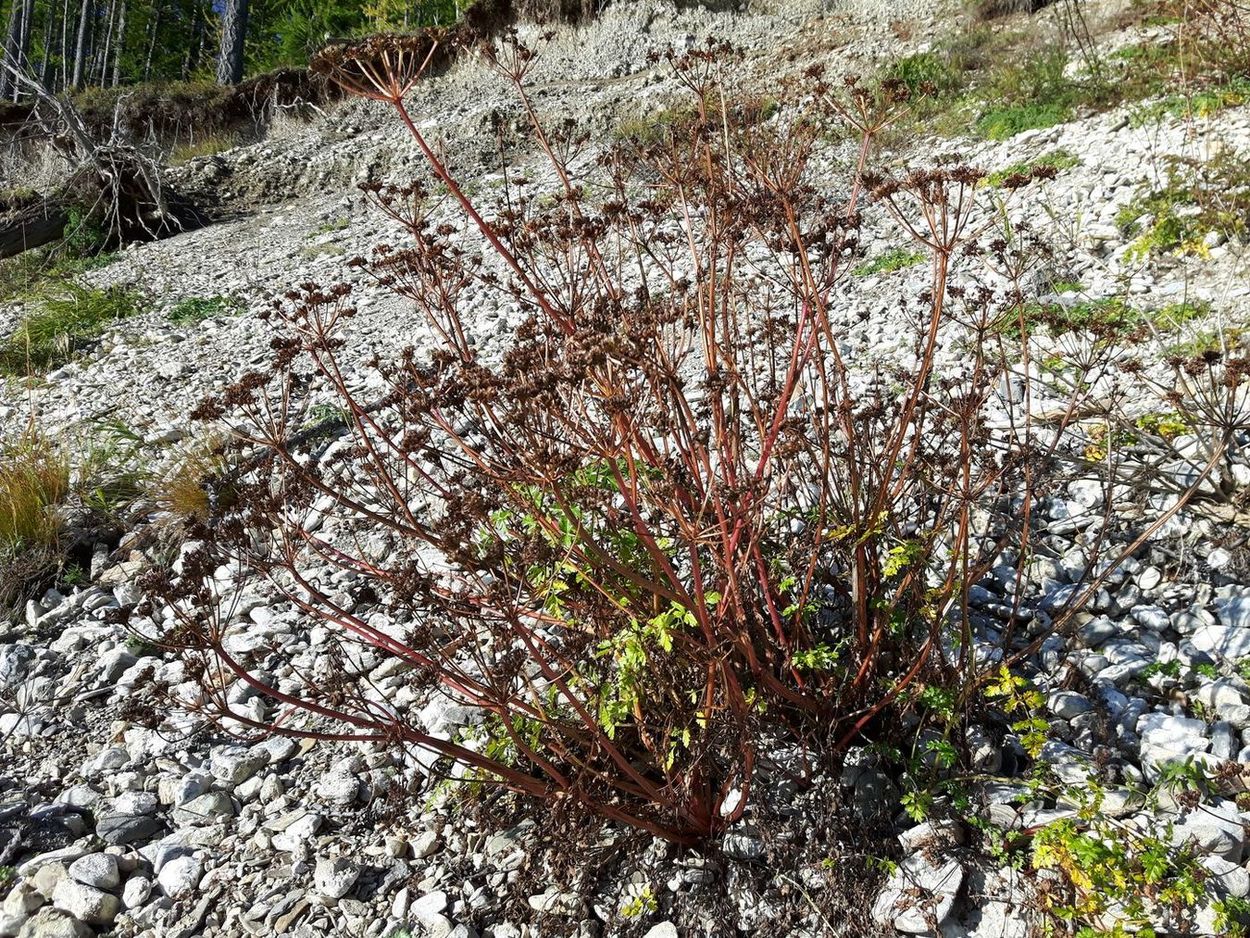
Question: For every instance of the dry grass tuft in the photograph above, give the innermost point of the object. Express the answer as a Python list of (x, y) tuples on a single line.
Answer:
[(34, 484)]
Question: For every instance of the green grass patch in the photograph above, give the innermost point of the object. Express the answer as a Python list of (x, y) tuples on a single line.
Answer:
[(199, 308), (331, 226), (65, 321), (1108, 316), (1002, 123), (1057, 160), (999, 84), (892, 260)]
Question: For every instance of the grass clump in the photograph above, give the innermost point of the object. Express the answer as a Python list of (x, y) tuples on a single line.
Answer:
[(63, 324), (183, 490), (1057, 160), (209, 145), (34, 480), (34, 485), (892, 260), (199, 308)]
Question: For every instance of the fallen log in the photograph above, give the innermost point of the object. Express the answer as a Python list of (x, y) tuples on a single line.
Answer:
[(32, 225)]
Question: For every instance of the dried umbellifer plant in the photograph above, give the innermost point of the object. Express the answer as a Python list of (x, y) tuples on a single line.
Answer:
[(672, 528)]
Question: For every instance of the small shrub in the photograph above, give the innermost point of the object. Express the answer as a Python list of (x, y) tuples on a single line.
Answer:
[(83, 236), (1198, 199), (1002, 123), (199, 308), (668, 529), (931, 73), (68, 319), (112, 472)]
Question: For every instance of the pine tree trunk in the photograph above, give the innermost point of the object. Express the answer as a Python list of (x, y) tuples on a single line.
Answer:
[(80, 48), (233, 31), (10, 45), (16, 45), (103, 60), (155, 25), (119, 46), (65, 53)]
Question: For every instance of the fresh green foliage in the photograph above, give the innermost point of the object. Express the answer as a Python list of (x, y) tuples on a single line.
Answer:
[(1113, 872), (1108, 315), (892, 260), (83, 237), (199, 308), (1170, 669), (1020, 699), (66, 321)]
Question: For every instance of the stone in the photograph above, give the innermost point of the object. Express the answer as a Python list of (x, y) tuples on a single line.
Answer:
[(1215, 829), (22, 901), (1226, 641), (209, 808), (1068, 704), (96, 869), (1219, 558), (1151, 617), (180, 875), (53, 923), (917, 893), (1219, 693), (991, 919), (1230, 879), (428, 906), (663, 930), (48, 877), (1167, 738), (333, 878), (931, 834), (338, 787), (136, 891), (93, 906), (276, 749), (235, 764), (122, 829)]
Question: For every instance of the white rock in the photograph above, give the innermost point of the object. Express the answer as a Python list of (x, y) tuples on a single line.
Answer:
[(428, 906), (918, 892), (96, 869), (180, 876), (136, 891), (85, 903), (334, 877)]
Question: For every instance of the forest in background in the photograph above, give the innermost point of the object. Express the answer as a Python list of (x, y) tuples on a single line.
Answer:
[(75, 44)]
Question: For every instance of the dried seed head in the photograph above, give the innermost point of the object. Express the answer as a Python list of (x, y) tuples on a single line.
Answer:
[(382, 68)]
